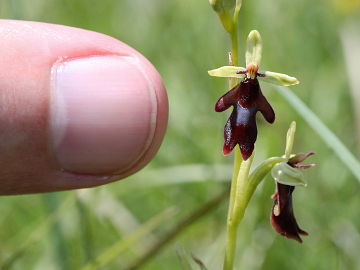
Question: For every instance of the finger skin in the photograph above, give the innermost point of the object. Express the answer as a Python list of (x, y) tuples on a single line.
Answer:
[(28, 50)]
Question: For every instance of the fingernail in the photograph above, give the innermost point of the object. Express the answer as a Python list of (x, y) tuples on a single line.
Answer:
[(102, 113)]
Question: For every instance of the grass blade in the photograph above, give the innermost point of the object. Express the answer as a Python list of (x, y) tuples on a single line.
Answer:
[(59, 245), (322, 130), (112, 252)]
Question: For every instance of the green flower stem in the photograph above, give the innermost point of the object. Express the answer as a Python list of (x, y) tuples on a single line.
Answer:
[(245, 187), (234, 60), (234, 34), (237, 164), (238, 203), (230, 248), (235, 204), (234, 45)]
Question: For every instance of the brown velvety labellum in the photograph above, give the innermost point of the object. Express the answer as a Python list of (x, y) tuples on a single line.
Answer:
[(246, 99), (282, 214)]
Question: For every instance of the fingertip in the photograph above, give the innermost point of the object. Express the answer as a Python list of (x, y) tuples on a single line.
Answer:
[(106, 112), (80, 108)]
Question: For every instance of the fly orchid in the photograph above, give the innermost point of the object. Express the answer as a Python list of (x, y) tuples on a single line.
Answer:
[(247, 98)]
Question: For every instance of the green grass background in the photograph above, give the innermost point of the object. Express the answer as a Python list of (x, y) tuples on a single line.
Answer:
[(184, 39)]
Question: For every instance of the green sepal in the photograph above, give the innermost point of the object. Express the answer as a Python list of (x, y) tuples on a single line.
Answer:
[(283, 173), (278, 78), (290, 136), (227, 71), (253, 48)]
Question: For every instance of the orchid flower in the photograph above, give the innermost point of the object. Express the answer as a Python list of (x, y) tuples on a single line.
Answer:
[(247, 98), (287, 175)]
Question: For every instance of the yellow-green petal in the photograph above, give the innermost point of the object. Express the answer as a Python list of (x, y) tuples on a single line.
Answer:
[(278, 78), (253, 48), (228, 71)]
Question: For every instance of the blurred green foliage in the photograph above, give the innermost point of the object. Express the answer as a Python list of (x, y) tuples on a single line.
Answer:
[(184, 39)]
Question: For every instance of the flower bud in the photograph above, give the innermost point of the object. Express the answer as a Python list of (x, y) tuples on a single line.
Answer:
[(222, 5), (224, 9)]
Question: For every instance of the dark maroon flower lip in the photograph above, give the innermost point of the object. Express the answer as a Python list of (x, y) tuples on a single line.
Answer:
[(246, 99), (282, 214)]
